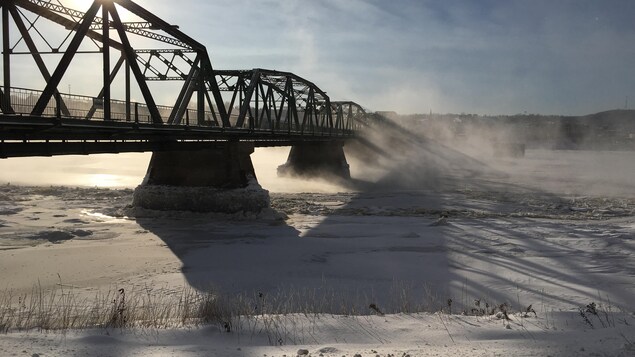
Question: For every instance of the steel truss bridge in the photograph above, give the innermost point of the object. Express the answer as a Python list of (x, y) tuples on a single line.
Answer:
[(45, 40)]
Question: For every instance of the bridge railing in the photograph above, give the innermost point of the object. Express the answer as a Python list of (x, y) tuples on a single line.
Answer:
[(348, 116), (73, 106), (82, 107)]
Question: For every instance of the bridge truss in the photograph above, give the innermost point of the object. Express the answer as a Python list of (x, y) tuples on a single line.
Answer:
[(129, 58)]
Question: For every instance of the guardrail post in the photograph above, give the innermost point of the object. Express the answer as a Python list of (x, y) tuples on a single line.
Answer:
[(136, 113), (58, 104)]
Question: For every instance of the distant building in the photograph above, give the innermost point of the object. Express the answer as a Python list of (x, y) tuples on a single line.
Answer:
[(388, 114)]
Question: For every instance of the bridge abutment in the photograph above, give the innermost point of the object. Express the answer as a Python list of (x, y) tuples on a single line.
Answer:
[(219, 179), (316, 159)]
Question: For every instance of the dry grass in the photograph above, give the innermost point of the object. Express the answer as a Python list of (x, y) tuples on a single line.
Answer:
[(64, 308)]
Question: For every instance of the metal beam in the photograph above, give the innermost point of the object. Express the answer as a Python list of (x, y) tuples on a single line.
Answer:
[(6, 61), (200, 100), (52, 84), (113, 147), (111, 78), (106, 61), (17, 19), (129, 25), (2, 101), (159, 24), (61, 20), (127, 89), (185, 96), (210, 78), (134, 66), (246, 104), (211, 108), (138, 28), (59, 8)]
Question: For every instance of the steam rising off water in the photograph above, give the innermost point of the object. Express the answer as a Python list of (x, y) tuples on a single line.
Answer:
[(425, 165)]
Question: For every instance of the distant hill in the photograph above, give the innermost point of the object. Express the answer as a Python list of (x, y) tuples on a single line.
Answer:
[(615, 114), (607, 130), (617, 119)]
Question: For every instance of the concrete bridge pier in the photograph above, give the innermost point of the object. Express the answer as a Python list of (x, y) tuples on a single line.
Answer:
[(316, 159), (219, 179)]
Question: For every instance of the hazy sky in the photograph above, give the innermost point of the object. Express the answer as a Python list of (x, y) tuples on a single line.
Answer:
[(486, 57)]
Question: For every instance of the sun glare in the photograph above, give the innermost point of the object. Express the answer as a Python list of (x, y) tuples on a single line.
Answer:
[(104, 180), (83, 5)]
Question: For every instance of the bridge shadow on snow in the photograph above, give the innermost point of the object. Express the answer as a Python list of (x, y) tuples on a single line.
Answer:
[(503, 242), (384, 244)]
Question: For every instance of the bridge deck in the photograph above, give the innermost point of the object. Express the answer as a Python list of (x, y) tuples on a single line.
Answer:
[(24, 135)]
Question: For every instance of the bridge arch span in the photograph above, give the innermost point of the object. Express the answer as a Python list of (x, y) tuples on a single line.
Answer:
[(275, 100), (349, 115)]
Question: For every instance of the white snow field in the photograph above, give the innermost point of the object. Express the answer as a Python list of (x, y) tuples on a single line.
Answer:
[(546, 236)]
